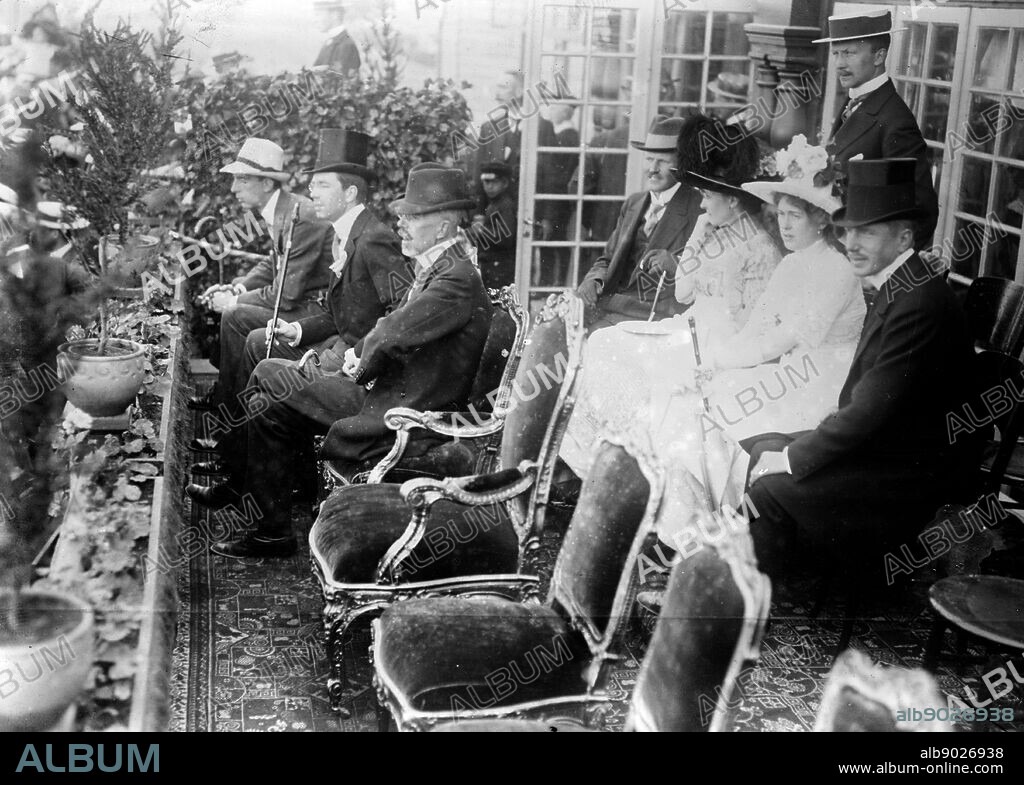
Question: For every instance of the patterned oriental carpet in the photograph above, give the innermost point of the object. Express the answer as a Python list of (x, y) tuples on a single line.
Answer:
[(249, 654)]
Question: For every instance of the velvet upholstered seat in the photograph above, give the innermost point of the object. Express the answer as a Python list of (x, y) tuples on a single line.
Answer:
[(436, 659), (372, 545), (710, 626), (420, 451)]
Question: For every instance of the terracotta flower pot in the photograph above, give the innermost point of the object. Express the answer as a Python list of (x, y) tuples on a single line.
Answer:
[(103, 386), (44, 665)]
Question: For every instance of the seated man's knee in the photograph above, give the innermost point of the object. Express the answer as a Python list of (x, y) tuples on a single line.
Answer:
[(256, 344)]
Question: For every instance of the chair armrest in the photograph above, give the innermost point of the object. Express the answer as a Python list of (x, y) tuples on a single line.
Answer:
[(473, 491), (458, 425), (402, 420)]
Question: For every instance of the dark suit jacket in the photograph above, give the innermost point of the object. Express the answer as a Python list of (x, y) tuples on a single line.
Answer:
[(423, 355), (308, 262), (372, 283), (884, 127), (340, 53), (496, 247), (883, 463), (671, 233)]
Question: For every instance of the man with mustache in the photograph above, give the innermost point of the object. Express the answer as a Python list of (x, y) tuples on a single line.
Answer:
[(874, 122)]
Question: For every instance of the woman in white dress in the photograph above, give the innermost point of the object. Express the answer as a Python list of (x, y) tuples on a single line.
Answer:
[(781, 369)]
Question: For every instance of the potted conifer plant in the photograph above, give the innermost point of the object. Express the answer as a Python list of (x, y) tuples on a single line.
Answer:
[(125, 106)]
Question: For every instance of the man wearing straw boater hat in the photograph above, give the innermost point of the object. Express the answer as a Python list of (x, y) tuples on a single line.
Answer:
[(874, 122), (247, 303), (423, 355), (653, 224), (870, 476)]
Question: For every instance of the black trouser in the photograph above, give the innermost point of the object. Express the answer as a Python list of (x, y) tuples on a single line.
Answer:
[(286, 409)]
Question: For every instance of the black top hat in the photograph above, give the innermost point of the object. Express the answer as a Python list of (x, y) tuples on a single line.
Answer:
[(880, 190), (431, 189), (343, 151), (498, 169)]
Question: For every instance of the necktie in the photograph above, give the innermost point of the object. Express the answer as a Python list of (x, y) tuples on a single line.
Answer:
[(870, 294), (851, 107), (653, 216)]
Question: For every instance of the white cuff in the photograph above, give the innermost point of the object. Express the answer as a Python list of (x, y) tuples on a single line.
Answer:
[(298, 338), (785, 458), (238, 289)]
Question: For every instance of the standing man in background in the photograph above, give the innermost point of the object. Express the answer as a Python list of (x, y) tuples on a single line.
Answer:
[(339, 52), (874, 122)]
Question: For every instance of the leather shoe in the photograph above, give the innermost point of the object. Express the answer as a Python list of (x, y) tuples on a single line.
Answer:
[(213, 496), (207, 401), (204, 445), (209, 467), (256, 547)]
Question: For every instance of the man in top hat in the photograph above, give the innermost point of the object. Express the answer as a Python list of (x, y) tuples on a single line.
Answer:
[(339, 52), (872, 474), (495, 229), (874, 122), (423, 355), (368, 276), (248, 302), (653, 225)]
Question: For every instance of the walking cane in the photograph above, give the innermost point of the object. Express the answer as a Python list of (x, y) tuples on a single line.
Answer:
[(708, 492), (280, 285)]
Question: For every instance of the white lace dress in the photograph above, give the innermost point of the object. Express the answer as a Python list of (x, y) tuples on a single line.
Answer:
[(635, 381)]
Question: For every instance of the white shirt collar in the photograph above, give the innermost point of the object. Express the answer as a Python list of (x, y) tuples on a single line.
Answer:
[(878, 279), (425, 260), (343, 226), (268, 209), (335, 31), (664, 197), (868, 87)]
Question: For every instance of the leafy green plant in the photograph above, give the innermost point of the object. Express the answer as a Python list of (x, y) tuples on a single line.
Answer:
[(125, 103)]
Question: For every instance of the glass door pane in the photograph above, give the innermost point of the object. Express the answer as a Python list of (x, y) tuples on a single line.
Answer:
[(595, 59)]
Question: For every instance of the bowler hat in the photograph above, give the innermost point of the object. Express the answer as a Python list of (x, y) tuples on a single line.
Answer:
[(343, 151), (662, 135), (432, 188), (858, 26), (878, 191), (259, 158)]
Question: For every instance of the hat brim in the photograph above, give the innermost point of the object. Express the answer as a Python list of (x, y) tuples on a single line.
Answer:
[(643, 146), (404, 207), (239, 168), (355, 169), (857, 37), (710, 184), (911, 213), (768, 191)]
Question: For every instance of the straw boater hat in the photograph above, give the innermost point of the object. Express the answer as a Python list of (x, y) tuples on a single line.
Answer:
[(879, 190), (259, 158), (343, 151), (858, 26), (662, 135), (433, 188), (802, 166)]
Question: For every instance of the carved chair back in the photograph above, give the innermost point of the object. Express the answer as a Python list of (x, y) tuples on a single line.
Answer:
[(595, 577), (862, 696), (539, 405), (710, 625), (492, 385)]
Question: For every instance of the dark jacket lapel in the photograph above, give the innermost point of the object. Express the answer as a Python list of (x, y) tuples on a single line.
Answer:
[(358, 226), (864, 119), (912, 272), (631, 225), (677, 221)]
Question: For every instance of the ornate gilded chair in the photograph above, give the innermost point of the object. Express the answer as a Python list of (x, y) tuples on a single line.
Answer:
[(710, 626), (489, 657), (457, 443), (862, 696), (372, 545)]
